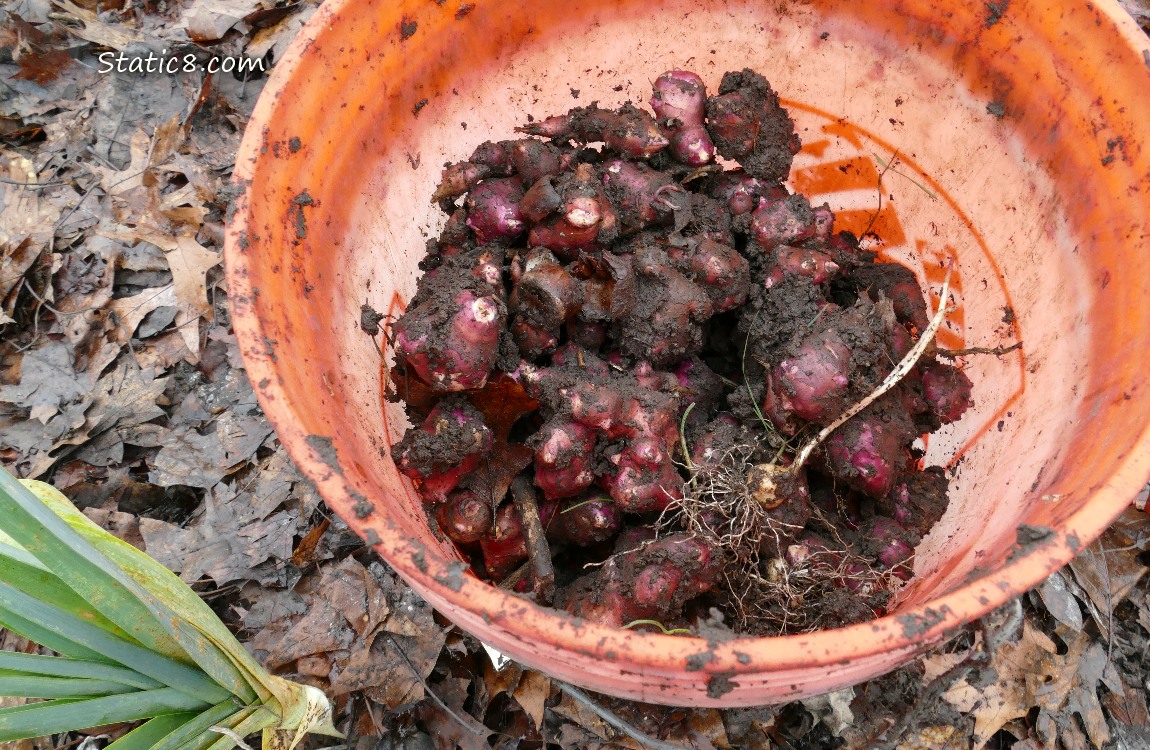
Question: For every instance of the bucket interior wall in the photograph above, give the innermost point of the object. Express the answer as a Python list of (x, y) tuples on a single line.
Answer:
[(988, 144)]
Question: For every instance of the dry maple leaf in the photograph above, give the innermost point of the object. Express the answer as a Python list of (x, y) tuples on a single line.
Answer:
[(35, 52), (1069, 684), (1011, 696), (502, 402), (492, 478), (189, 262)]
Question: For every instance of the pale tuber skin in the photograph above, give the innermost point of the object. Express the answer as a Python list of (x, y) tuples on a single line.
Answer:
[(493, 210), (680, 102), (563, 459), (464, 518)]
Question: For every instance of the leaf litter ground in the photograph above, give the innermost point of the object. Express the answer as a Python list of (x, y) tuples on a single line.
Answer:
[(121, 383)]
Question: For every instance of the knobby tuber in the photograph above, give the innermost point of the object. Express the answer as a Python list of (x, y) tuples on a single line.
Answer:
[(653, 335)]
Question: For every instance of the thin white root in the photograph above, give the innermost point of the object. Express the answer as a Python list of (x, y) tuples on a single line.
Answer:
[(898, 373)]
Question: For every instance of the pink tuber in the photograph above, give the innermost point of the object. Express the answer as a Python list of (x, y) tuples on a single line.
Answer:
[(504, 545), (493, 210), (586, 520), (652, 581), (628, 130), (869, 452), (782, 222), (455, 351), (946, 390), (748, 125), (446, 447), (464, 518), (814, 384), (563, 459), (680, 102)]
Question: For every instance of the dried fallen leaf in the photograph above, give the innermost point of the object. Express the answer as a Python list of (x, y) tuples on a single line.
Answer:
[(130, 311), (935, 738), (1011, 695), (708, 723), (354, 592), (503, 402), (48, 383), (189, 262), (531, 695), (1060, 602), (392, 669), (319, 631), (209, 20), (1109, 569), (41, 58), (834, 709), (492, 478), (457, 729), (92, 29), (1068, 684)]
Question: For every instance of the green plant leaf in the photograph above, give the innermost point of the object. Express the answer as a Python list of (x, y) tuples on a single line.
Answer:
[(19, 569), (52, 717), (184, 616), (47, 638), (149, 734), (203, 736), (47, 536), (168, 671), (59, 666), (21, 685), (285, 711)]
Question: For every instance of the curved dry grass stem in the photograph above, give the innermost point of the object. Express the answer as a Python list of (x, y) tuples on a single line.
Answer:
[(898, 373)]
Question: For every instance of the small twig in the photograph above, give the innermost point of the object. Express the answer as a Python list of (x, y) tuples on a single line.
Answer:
[(898, 373), (427, 689), (523, 495), (37, 185), (998, 351), (701, 172), (615, 721)]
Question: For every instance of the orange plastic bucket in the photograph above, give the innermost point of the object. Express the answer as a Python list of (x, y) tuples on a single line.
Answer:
[(1020, 139)]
